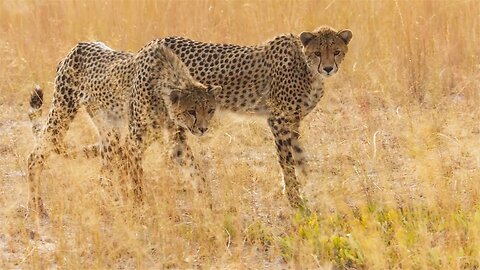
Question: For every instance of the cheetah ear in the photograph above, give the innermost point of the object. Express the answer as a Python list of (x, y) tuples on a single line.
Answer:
[(212, 89), (175, 96), (345, 35), (306, 37)]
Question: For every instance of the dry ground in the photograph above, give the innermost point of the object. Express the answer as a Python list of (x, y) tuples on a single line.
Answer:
[(394, 146)]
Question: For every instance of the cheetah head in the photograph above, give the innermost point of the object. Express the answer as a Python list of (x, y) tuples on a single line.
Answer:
[(193, 108), (325, 49)]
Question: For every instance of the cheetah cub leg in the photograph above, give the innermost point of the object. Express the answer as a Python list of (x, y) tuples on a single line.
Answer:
[(183, 156), (49, 137)]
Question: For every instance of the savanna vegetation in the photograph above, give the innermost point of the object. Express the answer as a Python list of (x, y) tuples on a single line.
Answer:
[(393, 147)]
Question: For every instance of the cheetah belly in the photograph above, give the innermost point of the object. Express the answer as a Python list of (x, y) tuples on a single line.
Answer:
[(250, 98), (108, 107), (258, 107)]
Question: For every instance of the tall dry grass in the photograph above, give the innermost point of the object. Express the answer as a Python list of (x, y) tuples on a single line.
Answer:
[(393, 146)]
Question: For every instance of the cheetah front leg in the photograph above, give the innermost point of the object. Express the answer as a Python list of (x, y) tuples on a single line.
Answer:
[(297, 151), (284, 130), (182, 155)]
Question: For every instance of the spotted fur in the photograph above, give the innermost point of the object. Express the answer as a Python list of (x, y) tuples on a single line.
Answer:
[(281, 79), (129, 98)]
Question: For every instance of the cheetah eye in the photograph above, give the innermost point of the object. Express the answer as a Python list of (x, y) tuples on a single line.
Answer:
[(192, 112), (337, 52), (319, 54)]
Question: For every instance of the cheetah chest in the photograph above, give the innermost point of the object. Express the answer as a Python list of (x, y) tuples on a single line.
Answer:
[(316, 93)]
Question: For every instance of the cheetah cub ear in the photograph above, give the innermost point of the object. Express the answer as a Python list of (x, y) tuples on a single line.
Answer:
[(345, 35), (306, 37), (175, 96)]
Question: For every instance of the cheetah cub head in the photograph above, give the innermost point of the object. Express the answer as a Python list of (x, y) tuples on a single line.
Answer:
[(325, 49), (193, 108)]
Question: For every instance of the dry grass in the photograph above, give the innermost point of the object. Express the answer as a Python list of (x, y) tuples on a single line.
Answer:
[(394, 145)]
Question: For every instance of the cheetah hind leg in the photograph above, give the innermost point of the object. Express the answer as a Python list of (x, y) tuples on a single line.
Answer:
[(50, 139)]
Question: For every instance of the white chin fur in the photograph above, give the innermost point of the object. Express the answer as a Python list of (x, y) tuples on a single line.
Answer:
[(328, 74), (196, 133)]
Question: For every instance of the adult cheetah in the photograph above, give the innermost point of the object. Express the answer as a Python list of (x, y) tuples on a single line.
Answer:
[(281, 79), (129, 97)]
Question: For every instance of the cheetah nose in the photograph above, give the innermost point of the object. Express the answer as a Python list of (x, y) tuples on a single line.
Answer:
[(328, 69), (203, 129)]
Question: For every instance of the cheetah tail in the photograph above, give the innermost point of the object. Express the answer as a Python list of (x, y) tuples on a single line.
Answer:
[(36, 102)]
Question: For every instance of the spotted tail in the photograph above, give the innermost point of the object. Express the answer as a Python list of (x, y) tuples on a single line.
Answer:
[(35, 112)]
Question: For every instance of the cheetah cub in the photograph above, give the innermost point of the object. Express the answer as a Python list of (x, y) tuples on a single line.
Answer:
[(130, 98)]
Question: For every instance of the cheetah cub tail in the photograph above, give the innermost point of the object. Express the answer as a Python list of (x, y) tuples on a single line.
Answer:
[(36, 102)]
